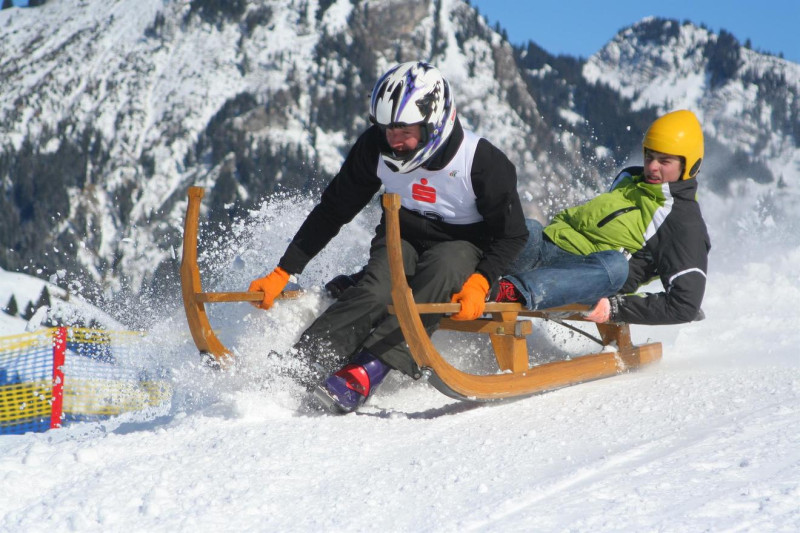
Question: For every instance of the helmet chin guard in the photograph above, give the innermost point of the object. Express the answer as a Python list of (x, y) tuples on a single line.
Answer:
[(414, 93)]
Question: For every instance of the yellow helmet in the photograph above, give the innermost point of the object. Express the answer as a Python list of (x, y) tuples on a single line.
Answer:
[(678, 133)]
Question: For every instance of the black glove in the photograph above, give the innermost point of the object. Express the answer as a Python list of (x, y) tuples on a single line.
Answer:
[(342, 282)]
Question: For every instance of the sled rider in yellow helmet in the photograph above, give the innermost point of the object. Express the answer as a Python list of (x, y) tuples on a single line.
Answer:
[(677, 134), (647, 226)]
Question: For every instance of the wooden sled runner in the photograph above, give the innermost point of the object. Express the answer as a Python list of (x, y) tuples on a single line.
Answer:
[(507, 333)]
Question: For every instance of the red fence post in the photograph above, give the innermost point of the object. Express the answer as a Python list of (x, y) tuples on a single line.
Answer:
[(59, 353)]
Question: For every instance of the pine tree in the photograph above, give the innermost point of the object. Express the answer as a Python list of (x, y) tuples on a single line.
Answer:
[(44, 298), (29, 311), (11, 307), (7, 4), (724, 58)]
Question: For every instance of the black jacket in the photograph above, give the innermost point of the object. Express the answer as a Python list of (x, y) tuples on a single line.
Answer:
[(677, 254), (501, 235)]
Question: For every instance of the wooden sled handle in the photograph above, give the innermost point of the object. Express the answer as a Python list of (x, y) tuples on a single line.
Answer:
[(194, 299)]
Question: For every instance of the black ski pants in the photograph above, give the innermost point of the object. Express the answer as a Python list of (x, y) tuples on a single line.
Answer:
[(359, 319)]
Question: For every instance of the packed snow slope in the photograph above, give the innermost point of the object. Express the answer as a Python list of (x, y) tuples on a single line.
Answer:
[(708, 439)]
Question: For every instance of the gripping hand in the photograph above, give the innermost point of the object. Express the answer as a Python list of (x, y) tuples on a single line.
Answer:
[(472, 297), (271, 285), (601, 312)]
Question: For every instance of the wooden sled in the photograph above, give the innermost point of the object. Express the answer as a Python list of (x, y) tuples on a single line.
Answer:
[(507, 336), (506, 332), (194, 299)]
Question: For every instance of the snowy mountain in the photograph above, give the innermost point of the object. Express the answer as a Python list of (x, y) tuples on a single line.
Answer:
[(111, 109), (747, 102)]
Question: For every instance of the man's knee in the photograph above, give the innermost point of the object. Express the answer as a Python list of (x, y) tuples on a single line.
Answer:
[(368, 293), (534, 227), (531, 252), (456, 257), (617, 267)]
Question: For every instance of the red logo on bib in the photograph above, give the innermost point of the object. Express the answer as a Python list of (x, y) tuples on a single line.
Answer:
[(422, 193)]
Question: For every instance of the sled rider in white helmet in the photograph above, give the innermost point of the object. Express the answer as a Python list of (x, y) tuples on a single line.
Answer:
[(461, 224)]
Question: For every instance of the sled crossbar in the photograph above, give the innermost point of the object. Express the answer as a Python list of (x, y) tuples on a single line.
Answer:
[(507, 334)]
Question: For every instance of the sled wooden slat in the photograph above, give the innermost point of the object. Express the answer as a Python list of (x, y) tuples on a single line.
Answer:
[(518, 328), (492, 307), (517, 378), (567, 312), (224, 297), (218, 297)]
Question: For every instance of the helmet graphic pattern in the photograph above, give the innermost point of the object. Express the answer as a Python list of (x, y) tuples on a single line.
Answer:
[(414, 93)]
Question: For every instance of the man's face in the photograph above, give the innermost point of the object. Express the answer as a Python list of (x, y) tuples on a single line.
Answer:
[(404, 139), (662, 168)]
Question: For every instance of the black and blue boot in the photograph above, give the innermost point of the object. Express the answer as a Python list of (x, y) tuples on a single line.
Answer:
[(348, 389)]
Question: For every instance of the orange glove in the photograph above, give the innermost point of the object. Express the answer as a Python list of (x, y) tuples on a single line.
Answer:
[(271, 285), (472, 297)]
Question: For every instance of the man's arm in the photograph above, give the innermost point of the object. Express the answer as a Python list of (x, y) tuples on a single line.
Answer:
[(494, 180), (346, 195), (682, 261)]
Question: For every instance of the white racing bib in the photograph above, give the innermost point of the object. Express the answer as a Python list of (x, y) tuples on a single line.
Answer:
[(444, 194)]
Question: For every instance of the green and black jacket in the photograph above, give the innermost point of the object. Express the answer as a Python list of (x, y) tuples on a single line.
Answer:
[(661, 228)]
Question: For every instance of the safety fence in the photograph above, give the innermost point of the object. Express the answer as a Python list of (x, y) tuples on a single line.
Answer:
[(55, 376)]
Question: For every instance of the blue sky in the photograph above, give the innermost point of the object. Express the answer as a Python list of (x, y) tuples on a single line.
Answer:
[(582, 27)]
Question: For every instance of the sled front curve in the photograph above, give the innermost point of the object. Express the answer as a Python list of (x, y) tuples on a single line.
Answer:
[(508, 340), (194, 299)]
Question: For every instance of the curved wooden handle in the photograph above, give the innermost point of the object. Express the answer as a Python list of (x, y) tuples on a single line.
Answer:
[(202, 334), (194, 299)]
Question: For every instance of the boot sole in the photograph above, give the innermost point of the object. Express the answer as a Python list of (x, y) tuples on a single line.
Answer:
[(327, 401)]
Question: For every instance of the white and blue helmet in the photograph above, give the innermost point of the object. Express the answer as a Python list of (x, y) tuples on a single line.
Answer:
[(414, 93)]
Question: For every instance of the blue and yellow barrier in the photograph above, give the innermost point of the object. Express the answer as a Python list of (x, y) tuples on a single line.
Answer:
[(59, 375)]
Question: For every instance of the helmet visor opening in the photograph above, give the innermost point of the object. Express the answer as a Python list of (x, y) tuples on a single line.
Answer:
[(408, 155)]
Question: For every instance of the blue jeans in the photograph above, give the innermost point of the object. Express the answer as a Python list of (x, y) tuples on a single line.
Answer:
[(548, 276)]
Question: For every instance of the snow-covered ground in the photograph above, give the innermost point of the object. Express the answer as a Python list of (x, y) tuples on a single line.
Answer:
[(706, 440)]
